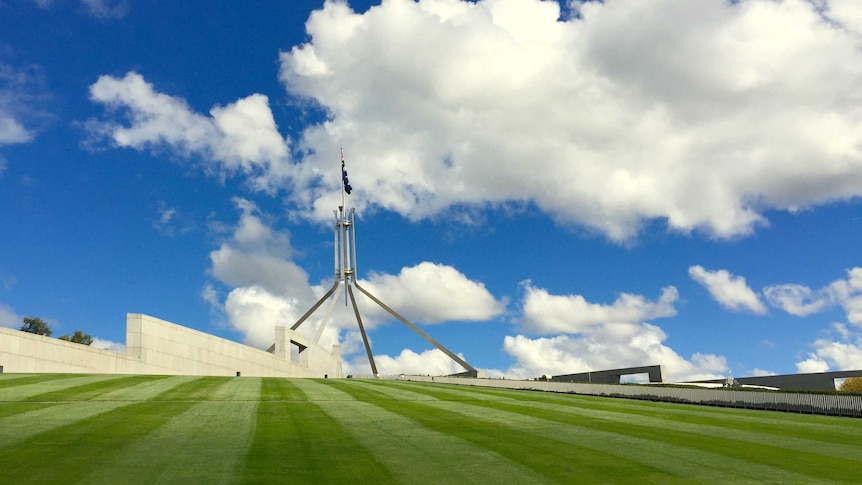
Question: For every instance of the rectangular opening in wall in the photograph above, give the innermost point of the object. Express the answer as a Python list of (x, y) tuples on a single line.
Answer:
[(635, 378)]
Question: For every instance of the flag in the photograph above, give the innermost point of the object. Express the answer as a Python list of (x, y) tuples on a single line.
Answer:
[(347, 187)]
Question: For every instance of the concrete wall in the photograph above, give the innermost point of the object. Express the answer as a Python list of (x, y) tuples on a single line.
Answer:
[(613, 376), (155, 346), (833, 405), (816, 381)]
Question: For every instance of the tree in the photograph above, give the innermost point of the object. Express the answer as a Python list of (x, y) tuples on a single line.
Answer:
[(36, 325), (852, 384), (78, 337)]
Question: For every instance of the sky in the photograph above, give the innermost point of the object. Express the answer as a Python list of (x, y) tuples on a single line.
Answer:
[(543, 187)]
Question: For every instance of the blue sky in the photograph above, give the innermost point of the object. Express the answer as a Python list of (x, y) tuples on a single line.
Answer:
[(544, 187)]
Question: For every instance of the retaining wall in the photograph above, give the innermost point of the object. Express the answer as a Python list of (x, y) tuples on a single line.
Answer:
[(155, 346), (827, 404)]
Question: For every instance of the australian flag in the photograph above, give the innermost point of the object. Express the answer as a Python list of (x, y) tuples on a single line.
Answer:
[(347, 187)]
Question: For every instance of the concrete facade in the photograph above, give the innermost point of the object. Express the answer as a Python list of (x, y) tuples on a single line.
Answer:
[(815, 381), (613, 376), (155, 346)]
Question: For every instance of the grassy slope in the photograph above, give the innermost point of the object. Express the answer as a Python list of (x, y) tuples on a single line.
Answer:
[(157, 429)]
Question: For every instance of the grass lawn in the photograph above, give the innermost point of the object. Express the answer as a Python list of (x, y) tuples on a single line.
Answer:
[(156, 429)]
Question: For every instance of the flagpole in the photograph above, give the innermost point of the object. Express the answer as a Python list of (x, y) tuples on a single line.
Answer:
[(343, 248), (345, 272), (342, 179)]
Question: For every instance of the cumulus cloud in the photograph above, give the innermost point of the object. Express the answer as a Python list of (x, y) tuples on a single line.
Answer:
[(607, 337), (625, 113), (762, 373), (546, 313), (796, 299), (99, 343), (847, 13), (611, 347), (257, 255), (839, 348), (268, 288), (630, 112), (840, 355), (811, 365), (731, 292), (240, 138), (429, 362), (801, 300), (434, 293)]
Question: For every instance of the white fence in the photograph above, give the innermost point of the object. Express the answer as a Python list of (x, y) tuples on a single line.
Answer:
[(827, 404)]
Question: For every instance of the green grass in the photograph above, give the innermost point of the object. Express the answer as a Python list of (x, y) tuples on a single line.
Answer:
[(157, 429)]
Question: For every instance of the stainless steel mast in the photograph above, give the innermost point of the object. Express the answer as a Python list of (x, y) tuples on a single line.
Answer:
[(345, 275)]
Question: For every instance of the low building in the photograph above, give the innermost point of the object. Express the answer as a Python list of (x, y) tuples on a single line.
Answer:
[(155, 346)]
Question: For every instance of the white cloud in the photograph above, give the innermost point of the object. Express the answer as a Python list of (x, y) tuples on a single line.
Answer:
[(839, 348), (8, 317), (846, 12), (811, 365), (630, 113), (117, 347), (17, 103), (546, 313), (700, 116), (801, 300), (796, 299), (267, 288), (12, 131), (762, 373), (240, 138), (434, 293), (608, 337), (255, 312), (612, 347), (429, 362), (731, 292), (256, 255)]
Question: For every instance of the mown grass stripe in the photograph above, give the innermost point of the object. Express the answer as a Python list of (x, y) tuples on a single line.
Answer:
[(195, 389), (145, 390), (763, 462), (413, 453), (278, 389), (13, 408), (204, 444), (545, 455), (707, 429), (720, 415), (829, 429), (88, 391), (238, 389), (394, 391), (66, 454), (45, 417), (8, 380), (677, 460), (24, 392), (296, 442), (22, 420)]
